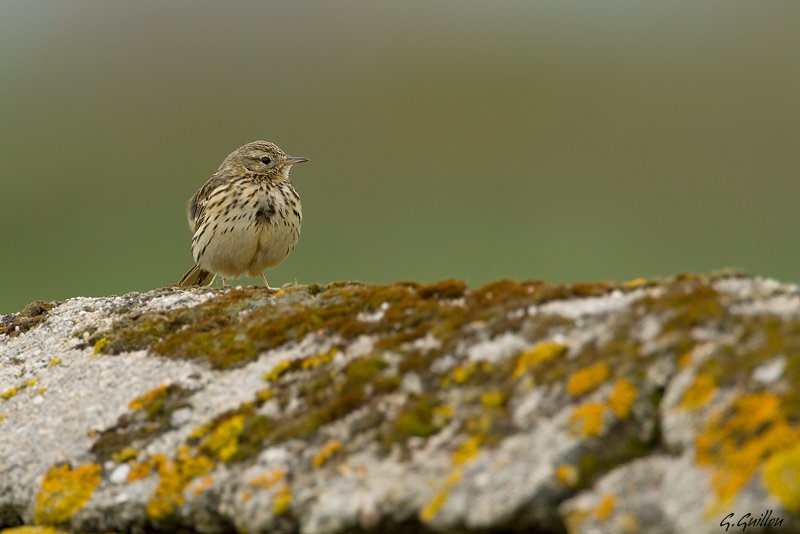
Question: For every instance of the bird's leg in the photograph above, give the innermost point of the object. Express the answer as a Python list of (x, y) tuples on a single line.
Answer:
[(264, 278), (223, 282)]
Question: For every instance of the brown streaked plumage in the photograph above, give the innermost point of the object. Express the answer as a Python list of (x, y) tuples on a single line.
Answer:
[(246, 217)]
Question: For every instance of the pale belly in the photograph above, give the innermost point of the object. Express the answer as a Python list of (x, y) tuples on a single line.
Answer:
[(248, 240)]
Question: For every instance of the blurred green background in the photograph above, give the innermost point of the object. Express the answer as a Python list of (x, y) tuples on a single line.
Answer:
[(552, 140)]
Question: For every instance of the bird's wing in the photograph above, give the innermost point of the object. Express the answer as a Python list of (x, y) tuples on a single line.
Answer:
[(194, 209)]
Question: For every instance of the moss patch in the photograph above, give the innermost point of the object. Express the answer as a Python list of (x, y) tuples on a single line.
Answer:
[(150, 417), (30, 317), (235, 326)]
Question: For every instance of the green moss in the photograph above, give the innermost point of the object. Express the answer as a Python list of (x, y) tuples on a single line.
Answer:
[(415, 419), (150, 416), (30, 317), (359, 372), (234, 327)]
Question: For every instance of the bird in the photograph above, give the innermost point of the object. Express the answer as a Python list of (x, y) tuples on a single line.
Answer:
[(246, 217)]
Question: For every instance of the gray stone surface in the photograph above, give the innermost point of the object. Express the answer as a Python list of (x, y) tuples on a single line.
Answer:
[(654, 407)]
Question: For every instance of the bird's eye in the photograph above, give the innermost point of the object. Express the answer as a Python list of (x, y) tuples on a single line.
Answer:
[(265, 160)]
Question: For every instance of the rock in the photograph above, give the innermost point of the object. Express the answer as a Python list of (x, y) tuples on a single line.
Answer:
[(658, 407)]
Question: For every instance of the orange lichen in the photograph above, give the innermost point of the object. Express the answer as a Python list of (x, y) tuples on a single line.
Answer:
[(203, 485), (592, 415), (175, 477), (588, 378), (64, 491), (140, 402), (140, 470), (700, 391), (30, 530), (606, 506), (326, 452), (739, 441), (621, 399), (268, 479), (539, 353), (568, 474)]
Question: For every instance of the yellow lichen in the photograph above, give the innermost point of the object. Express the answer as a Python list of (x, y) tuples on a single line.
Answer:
[(282, 499), (140, 402), (699, 392), (30, 530), (621, 399), (54, 361), (606, 506), (315, 361), (540, 352), (326, 452), (279, 369), (739, 441), (468, 450), (264, 395), (461, 374), (592, 415), (441, 415), (13, 391), (100, 345), (430, 509), (175, 476), (588, 378), (568, 474), (493, 399), (429, 512), (223, 442), (64, 491), (782, 475), (125, 454)]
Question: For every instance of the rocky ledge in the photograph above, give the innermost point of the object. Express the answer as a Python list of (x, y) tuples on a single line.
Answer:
[(668, 406)]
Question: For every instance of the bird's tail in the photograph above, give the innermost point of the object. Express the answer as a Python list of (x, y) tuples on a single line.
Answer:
[(197, 277)]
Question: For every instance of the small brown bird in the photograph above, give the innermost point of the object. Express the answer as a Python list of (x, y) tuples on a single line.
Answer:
[(246, 217)]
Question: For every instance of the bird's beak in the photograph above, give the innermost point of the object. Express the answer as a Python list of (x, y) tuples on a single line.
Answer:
[(291, 161)]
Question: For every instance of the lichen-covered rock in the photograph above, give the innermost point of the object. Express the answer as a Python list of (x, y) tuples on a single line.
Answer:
[(654, 407)]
